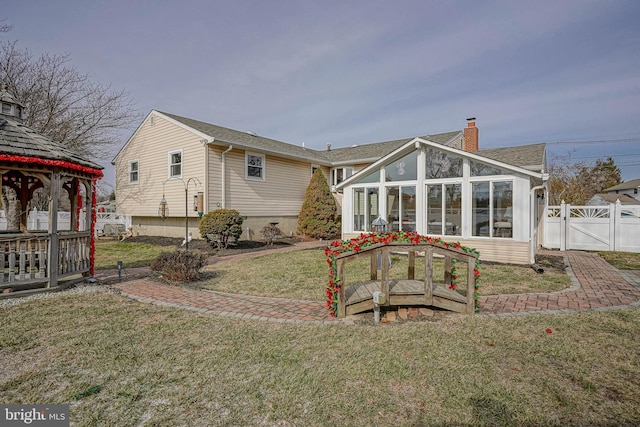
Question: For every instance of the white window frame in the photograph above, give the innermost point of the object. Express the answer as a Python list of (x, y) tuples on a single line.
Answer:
[(263, 167), (137, 171), (334, 175), (171, 153)]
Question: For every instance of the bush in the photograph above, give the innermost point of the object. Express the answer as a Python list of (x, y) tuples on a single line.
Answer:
[(180, 266), (219, 227), (319, 215), (270, 232)]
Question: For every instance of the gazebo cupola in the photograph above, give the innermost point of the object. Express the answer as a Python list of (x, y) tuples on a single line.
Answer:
[(35, 258), (9, 106)]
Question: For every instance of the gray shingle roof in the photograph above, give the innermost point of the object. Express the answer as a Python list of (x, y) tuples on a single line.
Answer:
[(251, 141), (19, 140), (377, 150), (612, 198), (634, 183), (525, 156), (354, 154)]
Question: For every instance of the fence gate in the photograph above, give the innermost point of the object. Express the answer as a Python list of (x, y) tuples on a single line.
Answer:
[(611, 227)]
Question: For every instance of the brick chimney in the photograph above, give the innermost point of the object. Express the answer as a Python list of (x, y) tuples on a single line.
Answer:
[(470, 136)]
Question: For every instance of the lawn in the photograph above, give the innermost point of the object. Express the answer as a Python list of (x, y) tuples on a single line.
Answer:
[(109, 252), (119, 362), (303, 274)]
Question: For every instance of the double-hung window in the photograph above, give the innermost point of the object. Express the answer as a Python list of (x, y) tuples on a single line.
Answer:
[(175, 164), (255, 167), (133, 172)]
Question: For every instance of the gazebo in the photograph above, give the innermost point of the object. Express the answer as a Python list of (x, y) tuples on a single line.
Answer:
[(35, 260)]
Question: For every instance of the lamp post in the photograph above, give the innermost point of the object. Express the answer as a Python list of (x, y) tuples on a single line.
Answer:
[(163, 210)]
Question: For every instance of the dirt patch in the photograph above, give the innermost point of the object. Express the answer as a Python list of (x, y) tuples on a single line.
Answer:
[(549, 262)]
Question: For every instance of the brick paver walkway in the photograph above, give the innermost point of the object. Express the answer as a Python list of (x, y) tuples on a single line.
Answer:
[(596, 285)]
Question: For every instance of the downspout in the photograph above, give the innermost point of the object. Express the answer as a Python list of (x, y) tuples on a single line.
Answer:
[(224, 177), (532, 244), (206, 142)]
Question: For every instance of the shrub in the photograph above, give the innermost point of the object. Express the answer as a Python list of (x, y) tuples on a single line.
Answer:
[(180, 266), (219, 227), (270, 232), (319, 215)]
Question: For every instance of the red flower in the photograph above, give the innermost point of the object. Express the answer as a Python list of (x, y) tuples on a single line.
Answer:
[(549, 330), (357, 248), (476, 272), (452, 287)]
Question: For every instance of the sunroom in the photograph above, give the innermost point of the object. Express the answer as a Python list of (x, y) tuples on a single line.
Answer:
[(476, 198)]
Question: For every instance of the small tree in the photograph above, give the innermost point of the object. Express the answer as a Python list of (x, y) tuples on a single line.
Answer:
[(319, 215), (219, 227)]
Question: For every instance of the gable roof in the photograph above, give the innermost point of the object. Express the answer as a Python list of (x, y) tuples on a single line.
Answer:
[(250, 141), (612, 198), (20, 140), (634, 183), (530, 157), (372, 152), (364, 153)]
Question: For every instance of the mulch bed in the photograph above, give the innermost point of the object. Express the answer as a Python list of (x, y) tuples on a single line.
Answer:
[(242, 246)]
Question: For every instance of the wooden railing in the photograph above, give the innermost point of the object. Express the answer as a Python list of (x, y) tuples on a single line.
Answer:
[(429, 294), (25, 258)]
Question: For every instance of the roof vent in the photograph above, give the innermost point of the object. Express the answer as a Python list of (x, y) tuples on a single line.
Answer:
[(251, 133)]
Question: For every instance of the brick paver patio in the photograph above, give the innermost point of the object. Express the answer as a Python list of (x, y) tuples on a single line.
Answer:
[(596, 285)]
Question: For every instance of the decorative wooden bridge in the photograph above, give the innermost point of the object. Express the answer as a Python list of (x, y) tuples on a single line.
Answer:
[(358, 297)]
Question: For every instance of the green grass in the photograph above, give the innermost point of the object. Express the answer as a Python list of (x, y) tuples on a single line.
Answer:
[(109, 252), (303, 275), (120, 362)]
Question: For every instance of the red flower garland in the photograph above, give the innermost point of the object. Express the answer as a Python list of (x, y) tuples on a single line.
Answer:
[(53, 163), (338, 247)]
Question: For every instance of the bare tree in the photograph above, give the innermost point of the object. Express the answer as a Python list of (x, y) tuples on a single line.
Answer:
[(64, 104), (576, 183)]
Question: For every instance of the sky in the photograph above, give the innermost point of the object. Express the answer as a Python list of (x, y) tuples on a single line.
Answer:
[(566, 73)]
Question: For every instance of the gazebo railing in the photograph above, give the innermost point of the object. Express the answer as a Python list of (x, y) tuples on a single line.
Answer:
[(24, 258)]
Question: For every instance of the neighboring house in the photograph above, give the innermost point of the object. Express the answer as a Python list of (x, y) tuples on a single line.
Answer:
[(605, 199), (630, 188), (485, 196)]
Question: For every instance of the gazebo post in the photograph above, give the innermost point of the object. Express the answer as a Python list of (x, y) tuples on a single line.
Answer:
[(52, 264)]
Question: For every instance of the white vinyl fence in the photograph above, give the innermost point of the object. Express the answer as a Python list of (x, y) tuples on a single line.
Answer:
[(39, 220), (613, 227)]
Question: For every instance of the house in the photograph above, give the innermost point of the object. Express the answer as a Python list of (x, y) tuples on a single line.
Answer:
[(630, 188), (484, 196), (607, 198)]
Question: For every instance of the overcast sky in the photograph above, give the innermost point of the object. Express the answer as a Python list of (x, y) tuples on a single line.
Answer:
[(354, 72)]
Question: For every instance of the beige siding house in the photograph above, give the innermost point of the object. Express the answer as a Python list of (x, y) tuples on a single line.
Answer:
[(440, 185)]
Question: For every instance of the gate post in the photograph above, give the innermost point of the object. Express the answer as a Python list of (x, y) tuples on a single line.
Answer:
[(563, 226), (615, 216)]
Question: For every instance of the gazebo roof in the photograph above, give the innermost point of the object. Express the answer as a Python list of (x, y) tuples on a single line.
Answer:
[(21, 143)]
